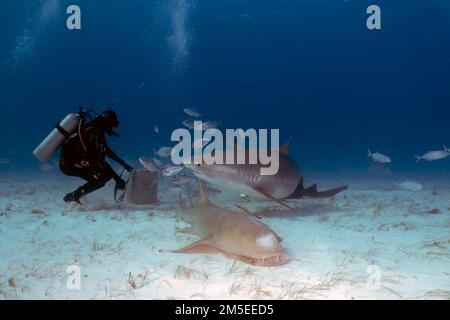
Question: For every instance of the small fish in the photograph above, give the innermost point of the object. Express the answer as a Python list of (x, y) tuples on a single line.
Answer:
[(409, 186), (163, 152), (180, 180), (188, 123), (4, 161), (192, 112), (149, 164), (157, 162), (200, 143), (46, 167), (378, 157), (434, 155), (156, 130), (175, 192), (141, 85), (210, 125), (171, 171)]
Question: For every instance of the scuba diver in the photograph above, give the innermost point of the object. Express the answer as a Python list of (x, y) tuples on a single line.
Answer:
[(84, 153)]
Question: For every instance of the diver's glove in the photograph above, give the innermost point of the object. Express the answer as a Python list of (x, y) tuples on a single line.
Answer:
[(120, 184)]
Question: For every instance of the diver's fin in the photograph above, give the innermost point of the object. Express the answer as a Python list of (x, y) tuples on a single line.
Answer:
[(267, 195)]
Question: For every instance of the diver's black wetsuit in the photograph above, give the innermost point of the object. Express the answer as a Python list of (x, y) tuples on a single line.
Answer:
[(85, 157)]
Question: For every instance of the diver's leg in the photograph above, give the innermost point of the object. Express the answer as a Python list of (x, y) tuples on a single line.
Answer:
[(108, 173), (96, 179), (89, 187)]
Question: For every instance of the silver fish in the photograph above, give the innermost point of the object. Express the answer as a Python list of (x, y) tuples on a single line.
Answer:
[(200, 143), (171, 171), (148, 164), (434, 155), (175, 191), (164, 152), (409, 186), (4, 161), (210, 125), (180, 180), (46, 167), (192, 112), (188, 123), (379, 157), (157, 162)]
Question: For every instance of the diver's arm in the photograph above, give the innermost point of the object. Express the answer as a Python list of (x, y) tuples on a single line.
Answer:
[(112, 155), (118, 179)]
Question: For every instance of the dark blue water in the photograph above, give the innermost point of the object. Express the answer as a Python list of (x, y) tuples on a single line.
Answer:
[(310, 68)]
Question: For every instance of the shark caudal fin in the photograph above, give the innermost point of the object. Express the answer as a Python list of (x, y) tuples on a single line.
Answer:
[(370, 153), (418, 158)]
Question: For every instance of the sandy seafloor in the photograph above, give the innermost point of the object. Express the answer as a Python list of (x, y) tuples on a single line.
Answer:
[(340, 246)]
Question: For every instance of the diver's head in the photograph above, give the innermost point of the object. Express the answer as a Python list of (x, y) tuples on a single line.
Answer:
[(107, 121)]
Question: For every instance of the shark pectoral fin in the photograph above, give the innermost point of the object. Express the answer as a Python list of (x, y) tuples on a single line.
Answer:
[(200, 246), (267, 195), (188, 230)]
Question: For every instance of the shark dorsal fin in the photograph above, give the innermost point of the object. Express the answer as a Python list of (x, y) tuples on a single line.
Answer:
[(202, 197), (285, 148)]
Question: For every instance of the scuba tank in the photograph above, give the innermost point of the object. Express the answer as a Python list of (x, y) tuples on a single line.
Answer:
[(56, 138)]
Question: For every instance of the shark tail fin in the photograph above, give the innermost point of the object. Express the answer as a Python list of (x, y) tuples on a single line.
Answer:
[(202, 197), (370, 153), (418, 158)]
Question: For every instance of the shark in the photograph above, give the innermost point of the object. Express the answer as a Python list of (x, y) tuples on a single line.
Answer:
[(236, 235), (245, 179)]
